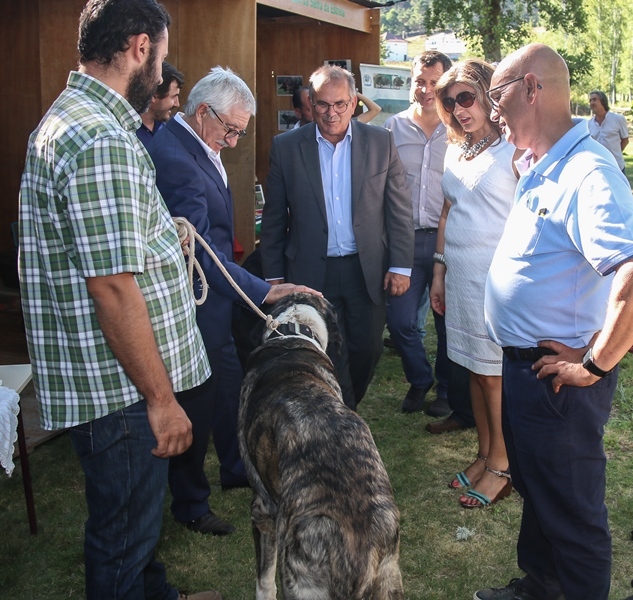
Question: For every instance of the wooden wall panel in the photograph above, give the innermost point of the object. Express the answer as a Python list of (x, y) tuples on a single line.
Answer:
[(19, 45), (59, 24), (298, 46), (38, 42), (222, 32)]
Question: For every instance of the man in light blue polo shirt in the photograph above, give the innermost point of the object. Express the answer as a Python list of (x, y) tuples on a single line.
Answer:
[(558, 302)]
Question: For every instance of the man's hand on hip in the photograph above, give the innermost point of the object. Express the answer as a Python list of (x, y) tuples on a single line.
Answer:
[(566, 365)]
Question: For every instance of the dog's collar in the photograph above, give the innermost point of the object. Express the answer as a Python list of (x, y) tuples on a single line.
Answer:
[(292, 328)]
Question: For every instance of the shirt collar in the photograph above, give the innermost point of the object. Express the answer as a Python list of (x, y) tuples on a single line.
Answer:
[(559, 151), (348, 134), (212, 154), (114, 102)]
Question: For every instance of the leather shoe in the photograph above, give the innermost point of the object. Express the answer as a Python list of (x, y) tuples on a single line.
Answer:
[(210, 595), (444, 426), (439, 407), (235, 485), (414, 400), (515, 590), (209, 522)]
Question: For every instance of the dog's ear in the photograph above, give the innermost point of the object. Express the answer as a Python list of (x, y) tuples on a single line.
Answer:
[(333, 330)]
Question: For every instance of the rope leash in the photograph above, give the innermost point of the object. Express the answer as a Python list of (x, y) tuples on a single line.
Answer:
[(187, 231)]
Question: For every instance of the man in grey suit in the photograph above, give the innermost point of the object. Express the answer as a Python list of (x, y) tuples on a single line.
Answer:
[(338, 218)]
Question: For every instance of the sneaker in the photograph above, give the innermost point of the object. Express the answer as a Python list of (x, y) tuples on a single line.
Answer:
[(515, 590)]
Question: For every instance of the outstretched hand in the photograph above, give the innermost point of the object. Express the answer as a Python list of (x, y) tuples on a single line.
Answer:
[(279, 290)]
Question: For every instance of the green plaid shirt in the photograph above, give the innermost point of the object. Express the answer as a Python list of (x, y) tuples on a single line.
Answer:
[(89, 207)]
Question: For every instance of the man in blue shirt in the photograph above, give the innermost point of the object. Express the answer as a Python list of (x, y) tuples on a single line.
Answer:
[(558, 300), (338, 218), (167, 97)]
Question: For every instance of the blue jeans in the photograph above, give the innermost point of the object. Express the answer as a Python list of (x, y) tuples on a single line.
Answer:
[(402, 321), (125, 489), (557, 461)]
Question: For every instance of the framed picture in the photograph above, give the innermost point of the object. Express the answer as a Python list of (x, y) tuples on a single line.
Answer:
[(287, 84), (286, 119), (259, 196), (344, 63)]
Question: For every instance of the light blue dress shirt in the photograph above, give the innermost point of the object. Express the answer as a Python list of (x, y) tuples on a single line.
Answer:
[(336, 176)]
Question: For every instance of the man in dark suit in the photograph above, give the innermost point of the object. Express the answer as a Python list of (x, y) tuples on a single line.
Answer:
[(193, 183), (338, 218)]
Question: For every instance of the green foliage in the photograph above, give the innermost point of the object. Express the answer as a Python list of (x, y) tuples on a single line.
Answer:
[(579, 64), (492, 24), (594, 36)]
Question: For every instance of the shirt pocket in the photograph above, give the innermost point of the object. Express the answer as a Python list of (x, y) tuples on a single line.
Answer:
[(524, 228)]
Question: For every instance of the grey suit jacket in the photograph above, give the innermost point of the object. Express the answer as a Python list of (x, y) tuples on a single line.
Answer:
[(294, 224)]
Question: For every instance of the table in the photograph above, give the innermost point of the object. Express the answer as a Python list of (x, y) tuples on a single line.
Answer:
[(17, 377)]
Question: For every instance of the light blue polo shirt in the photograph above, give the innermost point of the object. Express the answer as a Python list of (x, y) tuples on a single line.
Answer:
[(571, 225)]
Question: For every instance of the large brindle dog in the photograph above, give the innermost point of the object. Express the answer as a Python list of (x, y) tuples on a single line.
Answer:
[(323, 507)]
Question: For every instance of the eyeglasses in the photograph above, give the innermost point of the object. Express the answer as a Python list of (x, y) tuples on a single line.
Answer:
[(494, 94), (230, 131), (464, 99), (323, 108)]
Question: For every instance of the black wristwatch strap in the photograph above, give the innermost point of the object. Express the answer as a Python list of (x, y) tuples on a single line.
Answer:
[(587, 363)]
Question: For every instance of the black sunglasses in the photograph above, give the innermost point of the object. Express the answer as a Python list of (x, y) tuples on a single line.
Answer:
[(464, 99)]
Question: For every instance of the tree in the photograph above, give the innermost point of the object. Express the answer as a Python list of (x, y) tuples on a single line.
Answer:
[(609, 21), (492, 25)]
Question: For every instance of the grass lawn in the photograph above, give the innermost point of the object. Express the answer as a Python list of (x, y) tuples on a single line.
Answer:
[(435, 564)]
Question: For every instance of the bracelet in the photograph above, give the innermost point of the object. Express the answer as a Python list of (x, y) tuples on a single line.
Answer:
[(439, 257)]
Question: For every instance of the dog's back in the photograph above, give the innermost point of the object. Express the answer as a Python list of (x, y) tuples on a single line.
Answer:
[(318, 481)]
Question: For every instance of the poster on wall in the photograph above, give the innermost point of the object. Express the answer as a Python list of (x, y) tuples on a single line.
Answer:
[(389, 87), (286, 119), (345, 63), (287, 84)]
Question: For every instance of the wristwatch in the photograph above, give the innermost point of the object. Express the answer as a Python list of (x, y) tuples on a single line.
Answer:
[(587, 363)]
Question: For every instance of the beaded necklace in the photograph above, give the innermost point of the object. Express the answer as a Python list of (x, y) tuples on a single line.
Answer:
[(469, 151)]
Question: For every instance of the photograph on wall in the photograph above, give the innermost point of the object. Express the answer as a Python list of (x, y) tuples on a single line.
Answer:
[(344, 63), (287, 84), (286, 119)]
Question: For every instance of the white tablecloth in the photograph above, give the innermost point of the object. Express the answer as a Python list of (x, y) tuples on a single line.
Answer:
[(9, 409)]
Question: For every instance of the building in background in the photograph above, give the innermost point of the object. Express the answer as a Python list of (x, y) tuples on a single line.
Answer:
[(448, 43), (396, 47)]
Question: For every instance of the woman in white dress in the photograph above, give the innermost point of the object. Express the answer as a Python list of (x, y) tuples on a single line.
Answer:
[(478, 184)]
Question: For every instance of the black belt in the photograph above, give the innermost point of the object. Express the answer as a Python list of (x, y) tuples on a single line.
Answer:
[(427, 229), (528, 354), (344, 257)]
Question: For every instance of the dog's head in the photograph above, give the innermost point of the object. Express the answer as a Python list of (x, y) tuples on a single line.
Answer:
[(308, 316)]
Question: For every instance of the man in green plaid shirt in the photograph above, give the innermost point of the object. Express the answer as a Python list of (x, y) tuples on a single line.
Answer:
[(109, 317)]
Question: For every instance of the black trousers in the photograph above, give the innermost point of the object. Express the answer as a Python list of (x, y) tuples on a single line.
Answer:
[(361, 323)]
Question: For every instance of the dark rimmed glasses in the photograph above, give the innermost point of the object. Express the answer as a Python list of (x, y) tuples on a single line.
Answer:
[(464, 99), (494, 94), (322, 108), (231, 132)]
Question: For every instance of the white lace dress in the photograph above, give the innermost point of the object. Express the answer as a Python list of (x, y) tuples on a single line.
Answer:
[(481, 193)]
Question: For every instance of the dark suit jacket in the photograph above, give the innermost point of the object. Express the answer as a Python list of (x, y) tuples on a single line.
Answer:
[(192, 187), (294, 223)]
